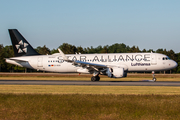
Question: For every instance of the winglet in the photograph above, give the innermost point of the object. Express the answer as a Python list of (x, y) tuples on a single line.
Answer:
[(63, 55)]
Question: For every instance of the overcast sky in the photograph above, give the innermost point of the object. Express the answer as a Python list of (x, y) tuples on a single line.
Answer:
[(151, 24)]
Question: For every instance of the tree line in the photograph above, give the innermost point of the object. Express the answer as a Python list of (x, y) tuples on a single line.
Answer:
[(7, 52)]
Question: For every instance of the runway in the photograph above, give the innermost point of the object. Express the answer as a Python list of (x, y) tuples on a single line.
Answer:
[(89, 83)]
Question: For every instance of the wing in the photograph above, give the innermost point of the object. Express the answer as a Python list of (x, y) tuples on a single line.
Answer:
[(89, 66)]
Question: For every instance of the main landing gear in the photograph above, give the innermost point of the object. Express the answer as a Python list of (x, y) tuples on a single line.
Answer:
[(95, 78), (154, 79)]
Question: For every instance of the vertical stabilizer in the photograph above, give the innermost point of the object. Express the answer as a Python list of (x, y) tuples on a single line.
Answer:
[(21, 46)]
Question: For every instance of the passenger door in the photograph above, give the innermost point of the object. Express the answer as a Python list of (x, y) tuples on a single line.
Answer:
[(40, 62)]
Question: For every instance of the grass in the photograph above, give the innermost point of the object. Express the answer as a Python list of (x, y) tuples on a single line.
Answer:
[(86, 107), (88, 78), (52, 102), (69, 89)]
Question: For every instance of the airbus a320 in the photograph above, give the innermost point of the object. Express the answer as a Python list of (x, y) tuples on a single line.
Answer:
[(114, 65)]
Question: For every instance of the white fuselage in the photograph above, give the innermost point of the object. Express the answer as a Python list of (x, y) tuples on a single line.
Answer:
[(128, 61)]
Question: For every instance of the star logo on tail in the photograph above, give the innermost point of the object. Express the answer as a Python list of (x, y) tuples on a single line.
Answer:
[(21, 47)]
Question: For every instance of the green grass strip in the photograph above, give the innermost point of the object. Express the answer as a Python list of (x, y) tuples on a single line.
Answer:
[(69, 89), (89, 107), (88, 78)]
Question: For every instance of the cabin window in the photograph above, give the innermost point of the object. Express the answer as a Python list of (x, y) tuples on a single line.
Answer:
[(165, 58)]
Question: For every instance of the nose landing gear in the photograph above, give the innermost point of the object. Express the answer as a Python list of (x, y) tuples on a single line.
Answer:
[(154, 79)]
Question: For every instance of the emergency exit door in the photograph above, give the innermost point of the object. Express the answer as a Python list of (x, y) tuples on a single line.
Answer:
[(40, 62)]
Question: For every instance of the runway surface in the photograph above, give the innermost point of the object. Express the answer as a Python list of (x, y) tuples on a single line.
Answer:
[(99, 83)]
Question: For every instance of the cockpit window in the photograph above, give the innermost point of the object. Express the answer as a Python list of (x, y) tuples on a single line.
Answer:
[(166, 58)]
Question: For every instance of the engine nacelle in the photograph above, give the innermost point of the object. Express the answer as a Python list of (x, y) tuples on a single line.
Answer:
[(116, 72)]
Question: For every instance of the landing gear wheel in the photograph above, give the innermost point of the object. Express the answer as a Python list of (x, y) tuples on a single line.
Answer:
[(154, 79), (95, 78)]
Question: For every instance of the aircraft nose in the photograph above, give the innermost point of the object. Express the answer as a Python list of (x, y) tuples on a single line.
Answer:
[(174, 64)]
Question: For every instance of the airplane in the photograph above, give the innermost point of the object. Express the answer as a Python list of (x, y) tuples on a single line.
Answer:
[(114, 65)]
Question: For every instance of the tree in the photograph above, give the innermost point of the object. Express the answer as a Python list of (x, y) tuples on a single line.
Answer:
[(144, 50), (43, 50), (98, 49), (80, 50), (178, 61), (8, 52), (150, 50), (160, 51), (68, 48), (171, 54), (86, 50), (91, 50), (134, 49), (104, 50), (118, 48), (1, 56), (54, 51)]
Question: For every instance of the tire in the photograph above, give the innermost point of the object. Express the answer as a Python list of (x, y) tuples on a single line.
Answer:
[(154, 79), (93, 78), (97, 78)]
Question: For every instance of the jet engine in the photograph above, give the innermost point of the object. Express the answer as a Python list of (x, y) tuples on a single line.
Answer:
[(116, 72)]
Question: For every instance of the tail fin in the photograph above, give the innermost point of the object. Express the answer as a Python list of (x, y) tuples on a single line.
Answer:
[(20, 46)]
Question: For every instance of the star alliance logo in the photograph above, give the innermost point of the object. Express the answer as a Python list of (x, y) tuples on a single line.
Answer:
[(23, 45)]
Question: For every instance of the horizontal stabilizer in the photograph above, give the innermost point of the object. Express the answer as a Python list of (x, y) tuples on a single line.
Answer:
[(17, 60)]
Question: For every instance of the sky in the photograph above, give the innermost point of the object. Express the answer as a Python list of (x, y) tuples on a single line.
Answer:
[(148, 24)]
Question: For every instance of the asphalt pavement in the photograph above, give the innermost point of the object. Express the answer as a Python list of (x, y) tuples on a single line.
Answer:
[(97, 83)]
